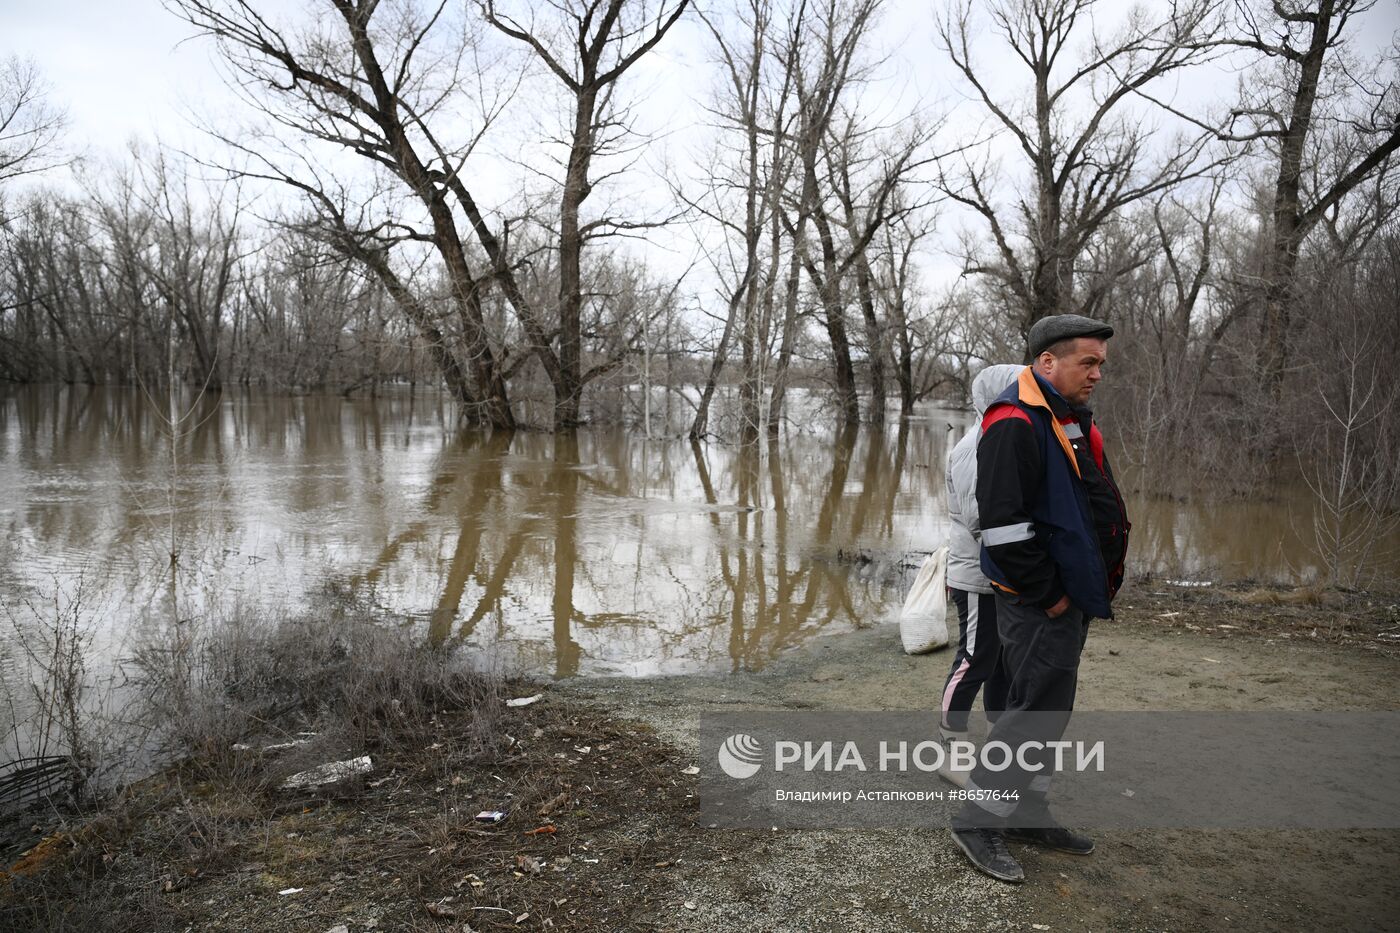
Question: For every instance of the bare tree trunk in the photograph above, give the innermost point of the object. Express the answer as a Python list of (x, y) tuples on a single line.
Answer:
[(791, 294), (569, 390), (749, 387), (699, 425), (874, 339), (834, 317)]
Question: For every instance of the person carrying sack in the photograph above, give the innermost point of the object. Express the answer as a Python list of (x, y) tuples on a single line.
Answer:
[(975, 663)]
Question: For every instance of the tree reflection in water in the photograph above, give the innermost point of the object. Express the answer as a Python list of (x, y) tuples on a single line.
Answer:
[(595, 552)]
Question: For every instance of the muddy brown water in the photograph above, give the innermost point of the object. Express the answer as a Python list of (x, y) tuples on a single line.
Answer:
[(595, 553)]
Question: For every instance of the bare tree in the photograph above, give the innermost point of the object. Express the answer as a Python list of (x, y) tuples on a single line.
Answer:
[(31, 127), (1171, 316), (30, 133), (1331, 125), (870, 182), (741, 193), (307, 317), (193, 260), (1075, 131), (1352, 473), (126, 289), (792, 220), (588, 45), (830, 65), (49, 275), (384, 90), (896, 280)]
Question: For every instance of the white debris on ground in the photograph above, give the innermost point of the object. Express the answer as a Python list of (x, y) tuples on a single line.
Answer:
[(329, 773), (278, 747)]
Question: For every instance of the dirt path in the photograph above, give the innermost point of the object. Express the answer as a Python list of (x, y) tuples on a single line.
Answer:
[(1147, 880)]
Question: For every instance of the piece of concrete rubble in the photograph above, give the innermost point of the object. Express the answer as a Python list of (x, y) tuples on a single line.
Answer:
[(330, 773)]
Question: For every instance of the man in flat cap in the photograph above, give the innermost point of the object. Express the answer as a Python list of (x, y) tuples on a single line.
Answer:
[(1054, 536)]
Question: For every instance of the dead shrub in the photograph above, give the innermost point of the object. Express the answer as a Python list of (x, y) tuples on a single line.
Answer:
[(343, 674)]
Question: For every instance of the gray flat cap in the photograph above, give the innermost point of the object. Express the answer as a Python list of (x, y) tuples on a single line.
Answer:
[(1057, 327)]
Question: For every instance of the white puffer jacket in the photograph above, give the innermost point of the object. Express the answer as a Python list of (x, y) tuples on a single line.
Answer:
[(965, 532)]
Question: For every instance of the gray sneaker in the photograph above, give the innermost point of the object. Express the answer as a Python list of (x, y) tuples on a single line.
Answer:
[(987, 850)]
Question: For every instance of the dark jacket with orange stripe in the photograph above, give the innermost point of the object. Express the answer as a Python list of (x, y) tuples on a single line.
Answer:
[(1053, 522)]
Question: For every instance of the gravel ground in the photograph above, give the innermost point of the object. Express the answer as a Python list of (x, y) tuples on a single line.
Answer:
[(1168, 652)]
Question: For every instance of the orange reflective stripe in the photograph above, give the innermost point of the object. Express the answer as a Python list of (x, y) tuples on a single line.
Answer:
[(1028, 390)]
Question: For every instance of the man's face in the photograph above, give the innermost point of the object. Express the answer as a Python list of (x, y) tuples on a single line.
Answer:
[(1075, 374)]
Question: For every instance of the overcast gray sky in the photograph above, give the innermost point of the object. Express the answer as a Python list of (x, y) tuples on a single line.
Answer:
[(122, 70), (117, 67)]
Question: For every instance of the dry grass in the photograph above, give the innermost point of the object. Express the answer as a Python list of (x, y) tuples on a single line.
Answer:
[(339, 683), (1315, 595), (210, 840), (400, 847), (342, 673), (1316, 612)]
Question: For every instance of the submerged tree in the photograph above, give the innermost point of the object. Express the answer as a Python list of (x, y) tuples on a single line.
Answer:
[(744, 179), (388, 90), (830, 63), (588, 46)]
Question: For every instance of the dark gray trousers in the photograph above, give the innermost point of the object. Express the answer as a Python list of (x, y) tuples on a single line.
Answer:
[(1041, 659)]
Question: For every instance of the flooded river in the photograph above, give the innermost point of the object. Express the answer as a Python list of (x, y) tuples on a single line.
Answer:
[(595, 553)]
